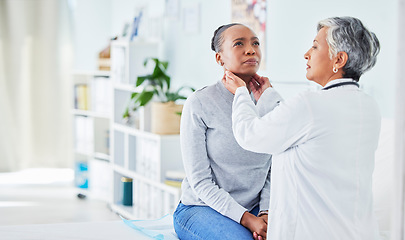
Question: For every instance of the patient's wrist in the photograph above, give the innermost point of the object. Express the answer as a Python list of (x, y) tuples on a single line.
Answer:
[(263, 212), (244, 221)]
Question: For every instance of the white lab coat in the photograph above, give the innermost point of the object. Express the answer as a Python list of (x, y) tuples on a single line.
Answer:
[(323, 145)]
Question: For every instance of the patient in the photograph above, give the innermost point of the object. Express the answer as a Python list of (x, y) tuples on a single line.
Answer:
[(226, 192)]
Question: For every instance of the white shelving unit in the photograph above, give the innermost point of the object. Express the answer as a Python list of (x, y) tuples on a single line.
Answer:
[(136, 152), (146, 159), (91, 114)]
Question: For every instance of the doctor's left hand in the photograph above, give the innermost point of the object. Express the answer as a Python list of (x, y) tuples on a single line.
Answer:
[(232, 82), (258, 85)]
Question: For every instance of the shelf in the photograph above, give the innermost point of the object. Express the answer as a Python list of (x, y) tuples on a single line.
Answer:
[(83, 153), (91, 119), (127, 60), (127, 87), (90, 113), (94, 155), (150, 199), (136, 176), (134, 131), (101, 156), (146, 154), (93, 73), (110, 149), (135, 42), (140, 119)]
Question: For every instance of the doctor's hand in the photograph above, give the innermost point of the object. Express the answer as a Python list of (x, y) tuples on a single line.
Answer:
[(232, 82), (258, 85), (257, 225)]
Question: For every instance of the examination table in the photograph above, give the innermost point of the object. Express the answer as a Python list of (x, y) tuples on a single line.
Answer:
[(161, 229)]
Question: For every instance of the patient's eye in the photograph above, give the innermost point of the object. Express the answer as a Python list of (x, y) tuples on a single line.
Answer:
[(256, 43), (238, 43)]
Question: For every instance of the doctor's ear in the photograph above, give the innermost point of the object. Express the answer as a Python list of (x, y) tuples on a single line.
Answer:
[(341, 59)]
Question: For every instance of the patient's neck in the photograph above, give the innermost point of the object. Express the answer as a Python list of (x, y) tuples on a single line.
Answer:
[(246, 78)]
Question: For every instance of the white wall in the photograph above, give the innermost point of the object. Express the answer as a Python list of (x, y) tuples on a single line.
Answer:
[(91, 31), (291, 29)]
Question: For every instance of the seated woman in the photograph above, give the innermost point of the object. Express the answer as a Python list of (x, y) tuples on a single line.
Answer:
[(323, 155), (225, 186)]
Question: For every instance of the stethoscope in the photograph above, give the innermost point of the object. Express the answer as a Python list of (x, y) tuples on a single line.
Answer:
[(341, 84)]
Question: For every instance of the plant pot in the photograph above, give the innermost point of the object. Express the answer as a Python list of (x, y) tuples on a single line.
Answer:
[(165, 118)]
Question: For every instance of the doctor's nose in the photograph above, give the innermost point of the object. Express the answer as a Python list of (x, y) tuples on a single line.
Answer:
[(306, 55)]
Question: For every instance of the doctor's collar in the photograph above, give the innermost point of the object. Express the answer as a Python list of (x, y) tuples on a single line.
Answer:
[(339, 83)]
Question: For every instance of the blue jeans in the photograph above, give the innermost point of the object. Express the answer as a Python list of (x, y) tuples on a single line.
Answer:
[(203, 222)]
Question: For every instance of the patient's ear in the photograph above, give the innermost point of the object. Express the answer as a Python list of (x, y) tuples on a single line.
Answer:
[(218, 59)]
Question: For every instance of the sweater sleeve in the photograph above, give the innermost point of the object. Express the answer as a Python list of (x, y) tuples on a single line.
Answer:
[(197, 164), (265, 193)]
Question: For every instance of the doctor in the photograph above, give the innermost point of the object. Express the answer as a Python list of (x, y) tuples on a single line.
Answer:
[(322, 142)]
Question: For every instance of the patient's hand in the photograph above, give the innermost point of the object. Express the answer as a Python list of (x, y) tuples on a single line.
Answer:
[(257, 236), (257, 225), (264, 217)]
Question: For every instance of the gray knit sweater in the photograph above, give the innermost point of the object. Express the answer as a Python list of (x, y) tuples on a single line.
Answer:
[(220, 173)]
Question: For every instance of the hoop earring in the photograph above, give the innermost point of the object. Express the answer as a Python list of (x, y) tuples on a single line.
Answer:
[(335, 70)]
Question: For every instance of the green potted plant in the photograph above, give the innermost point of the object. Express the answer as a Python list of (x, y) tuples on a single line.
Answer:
[(165, 113)]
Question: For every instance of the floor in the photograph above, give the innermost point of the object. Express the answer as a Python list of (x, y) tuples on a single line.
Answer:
[(42, 196)]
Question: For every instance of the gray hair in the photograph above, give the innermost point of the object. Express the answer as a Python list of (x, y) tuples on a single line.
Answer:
[(348, 34)]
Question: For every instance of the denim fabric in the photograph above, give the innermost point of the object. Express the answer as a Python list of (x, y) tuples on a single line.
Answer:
[(202, 222)]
